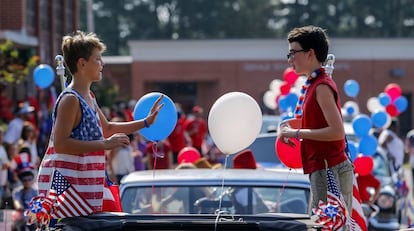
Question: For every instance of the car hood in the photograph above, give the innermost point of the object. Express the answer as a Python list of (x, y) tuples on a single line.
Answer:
[(124, 222)]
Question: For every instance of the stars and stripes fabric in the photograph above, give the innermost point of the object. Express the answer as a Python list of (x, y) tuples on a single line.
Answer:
[(84, 172), (333, 214), (356, 220), (69, 202)]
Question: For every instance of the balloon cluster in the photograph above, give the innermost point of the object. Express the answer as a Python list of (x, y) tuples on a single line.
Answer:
[(284, 94), (40, 210), (388, 104)]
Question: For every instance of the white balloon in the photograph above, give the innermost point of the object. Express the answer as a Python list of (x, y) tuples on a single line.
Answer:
[(374, 105), (234, 121), (275, 86), (300, 81), (269, 99), (353, 105)]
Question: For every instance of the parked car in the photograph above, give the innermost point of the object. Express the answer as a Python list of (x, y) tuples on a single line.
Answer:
[(269, 123), (206, 199), (204, 191)]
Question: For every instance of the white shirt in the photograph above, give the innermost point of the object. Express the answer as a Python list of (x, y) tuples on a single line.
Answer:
[(395, 147), (123, 161), (3, 160), (14, 131)]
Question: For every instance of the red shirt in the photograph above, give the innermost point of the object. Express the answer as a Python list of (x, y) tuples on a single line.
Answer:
[(314, 152), (177, 137), (163, 149), (197, 128), (365, 182)]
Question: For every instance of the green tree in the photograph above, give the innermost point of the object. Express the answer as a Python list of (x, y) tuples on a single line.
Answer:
[(120, 21), (14, 68)]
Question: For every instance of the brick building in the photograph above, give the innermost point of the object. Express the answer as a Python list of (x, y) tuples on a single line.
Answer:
[(199, 71), (37, 27)]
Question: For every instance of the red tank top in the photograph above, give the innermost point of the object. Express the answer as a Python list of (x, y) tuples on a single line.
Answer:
[(315, 152)]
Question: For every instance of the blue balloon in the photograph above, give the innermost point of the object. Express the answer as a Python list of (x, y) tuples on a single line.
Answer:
[(379, 118), (166, 119), (384, 99), (43, 75), (284, 103), (292, 99), (353, 150), (351, 88), (361, 124), (350, 110), (401, 103), (368, 145)]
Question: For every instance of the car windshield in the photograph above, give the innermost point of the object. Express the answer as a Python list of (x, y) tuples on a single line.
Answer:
[(237, 199)]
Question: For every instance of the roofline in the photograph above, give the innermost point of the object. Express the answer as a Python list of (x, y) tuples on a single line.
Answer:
[(265, 49), (17, 37)]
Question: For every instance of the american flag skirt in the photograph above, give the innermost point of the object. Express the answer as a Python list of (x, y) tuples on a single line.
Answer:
[(63, 177)]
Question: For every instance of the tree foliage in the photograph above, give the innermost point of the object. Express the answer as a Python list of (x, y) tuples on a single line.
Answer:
[(122, 20), (14, 68)]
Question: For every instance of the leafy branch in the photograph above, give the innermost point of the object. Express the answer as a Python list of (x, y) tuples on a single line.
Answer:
[(13, 70)]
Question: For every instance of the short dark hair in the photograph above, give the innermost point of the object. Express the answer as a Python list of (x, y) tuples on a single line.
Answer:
[(311, 37)]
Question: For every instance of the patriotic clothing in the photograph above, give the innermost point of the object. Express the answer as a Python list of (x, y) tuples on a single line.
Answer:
[(314, 152), (365, 182), (75, 182), (197, 128)]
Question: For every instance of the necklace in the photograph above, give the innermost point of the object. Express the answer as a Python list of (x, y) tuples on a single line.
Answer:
[(304, 89)]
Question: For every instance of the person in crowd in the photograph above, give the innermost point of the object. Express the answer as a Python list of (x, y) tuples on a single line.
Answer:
[(81, 133), (409, 147), (4, 165), (394, 145), (159, 155), (23, 194), (245, 160), (139, 145), (321, 130), (365, 182), (197, 128), (178, 138), (15, 127), (29, 139), (120, 159)]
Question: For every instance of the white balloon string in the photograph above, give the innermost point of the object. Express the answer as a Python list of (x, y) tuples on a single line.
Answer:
[(221, 194)]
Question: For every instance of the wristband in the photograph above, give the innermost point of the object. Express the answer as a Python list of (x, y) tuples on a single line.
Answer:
[(146, 124), (297, 134)]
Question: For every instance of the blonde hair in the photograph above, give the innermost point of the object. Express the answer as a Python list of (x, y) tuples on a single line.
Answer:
[(79, 45)]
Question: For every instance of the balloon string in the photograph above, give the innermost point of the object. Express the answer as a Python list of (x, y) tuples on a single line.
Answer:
[(154, 154), (221, 194), (282, 189)]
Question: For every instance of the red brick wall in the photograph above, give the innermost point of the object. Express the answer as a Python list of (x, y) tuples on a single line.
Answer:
[(12, 14)]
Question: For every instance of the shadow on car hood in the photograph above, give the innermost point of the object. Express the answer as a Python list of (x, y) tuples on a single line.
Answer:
[(127, 222)]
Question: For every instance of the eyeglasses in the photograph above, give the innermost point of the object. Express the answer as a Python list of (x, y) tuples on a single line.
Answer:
[(26, 179), (292, 53)]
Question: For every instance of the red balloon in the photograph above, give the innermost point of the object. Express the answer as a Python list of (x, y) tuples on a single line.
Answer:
[(284, 88), (392, 110), (393, 90), (188, 155), (363, 165), (290, 156), (290, 75)]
